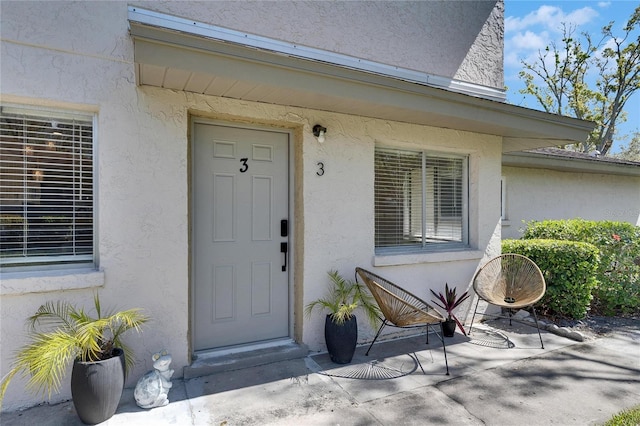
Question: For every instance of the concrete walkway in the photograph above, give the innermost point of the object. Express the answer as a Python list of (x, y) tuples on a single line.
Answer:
[(499, 376)]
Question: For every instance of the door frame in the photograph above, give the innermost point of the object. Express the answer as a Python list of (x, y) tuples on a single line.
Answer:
[(193, 120)]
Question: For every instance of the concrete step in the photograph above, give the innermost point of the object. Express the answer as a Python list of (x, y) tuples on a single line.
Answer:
[(236, 358)]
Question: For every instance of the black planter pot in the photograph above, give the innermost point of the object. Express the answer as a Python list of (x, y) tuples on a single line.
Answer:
[(96, 387), (448, 327), (341, 339)]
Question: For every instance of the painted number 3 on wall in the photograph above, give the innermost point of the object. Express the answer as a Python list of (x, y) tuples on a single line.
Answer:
[(320, 171), (245, 166)]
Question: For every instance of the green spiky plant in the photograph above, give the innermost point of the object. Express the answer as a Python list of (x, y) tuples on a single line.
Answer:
[(61, 333), (343, 298), (449, 301)]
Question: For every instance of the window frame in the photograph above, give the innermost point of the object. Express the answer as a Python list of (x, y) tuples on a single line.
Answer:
[(66, 117), (427, 156)]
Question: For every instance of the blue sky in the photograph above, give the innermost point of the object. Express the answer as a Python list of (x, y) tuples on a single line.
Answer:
[(532, 25)]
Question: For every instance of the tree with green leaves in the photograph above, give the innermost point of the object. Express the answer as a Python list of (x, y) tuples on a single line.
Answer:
[(631, 151), (559, 79)]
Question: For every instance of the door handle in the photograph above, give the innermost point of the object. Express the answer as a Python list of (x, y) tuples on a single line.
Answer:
[(284, 249)]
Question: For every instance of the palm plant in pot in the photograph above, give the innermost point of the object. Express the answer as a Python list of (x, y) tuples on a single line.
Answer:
[(61, 334), (341, 328), (450, 301)]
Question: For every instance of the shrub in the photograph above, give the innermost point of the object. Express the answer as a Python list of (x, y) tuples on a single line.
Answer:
[(569, 271), (618, 275)]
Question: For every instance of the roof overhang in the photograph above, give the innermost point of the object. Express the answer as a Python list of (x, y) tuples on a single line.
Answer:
[(546, 161), (207, 60)]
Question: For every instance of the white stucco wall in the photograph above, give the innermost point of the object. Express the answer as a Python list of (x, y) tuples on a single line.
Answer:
[(142, 213), (338, 210), (462, 40), (143, 174), (539, 194)]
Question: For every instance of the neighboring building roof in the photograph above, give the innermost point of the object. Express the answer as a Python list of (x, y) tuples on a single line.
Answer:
[(571, 161), (200, 58)]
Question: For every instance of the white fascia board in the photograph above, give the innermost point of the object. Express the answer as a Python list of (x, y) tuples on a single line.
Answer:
[(149, 17), (567, 164)]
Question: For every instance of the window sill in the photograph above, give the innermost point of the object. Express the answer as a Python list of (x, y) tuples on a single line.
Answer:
[(17, 283), (437, 257)]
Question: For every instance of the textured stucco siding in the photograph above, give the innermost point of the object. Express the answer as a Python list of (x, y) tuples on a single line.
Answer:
[(80, 56), (539, 194), (484, 62), (454, 39)]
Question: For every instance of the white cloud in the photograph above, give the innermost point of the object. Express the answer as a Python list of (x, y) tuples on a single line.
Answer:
[(604, 4), (529, 40), (550, 18), (581, 16), (537, 17), (524, 45), (526, 36)]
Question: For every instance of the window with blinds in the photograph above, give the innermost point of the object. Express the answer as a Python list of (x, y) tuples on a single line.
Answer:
[(46, 187), (420, 201)]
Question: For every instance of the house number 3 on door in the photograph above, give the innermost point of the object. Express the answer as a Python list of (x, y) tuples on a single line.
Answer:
[(245, 166)]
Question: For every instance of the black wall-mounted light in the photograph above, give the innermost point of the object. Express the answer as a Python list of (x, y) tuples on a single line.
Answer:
[(318, 132)]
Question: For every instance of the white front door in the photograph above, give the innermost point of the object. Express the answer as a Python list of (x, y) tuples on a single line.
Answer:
[(240, 235)]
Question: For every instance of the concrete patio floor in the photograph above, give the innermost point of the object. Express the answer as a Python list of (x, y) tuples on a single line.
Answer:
[(498, 376)]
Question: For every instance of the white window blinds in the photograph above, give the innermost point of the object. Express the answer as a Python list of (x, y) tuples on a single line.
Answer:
[(46, 187), (420, 200)]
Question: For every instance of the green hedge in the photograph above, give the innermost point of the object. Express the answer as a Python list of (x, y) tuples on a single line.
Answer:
[(569, 270), (618, 275)]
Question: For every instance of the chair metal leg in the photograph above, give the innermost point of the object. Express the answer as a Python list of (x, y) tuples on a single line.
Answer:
[(474, 316), (535, 317), (444, 347), (415, 357), (376, 338)]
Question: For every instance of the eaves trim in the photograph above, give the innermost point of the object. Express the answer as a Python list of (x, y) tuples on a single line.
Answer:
[(566, 164), (323, 85), (213, 32)]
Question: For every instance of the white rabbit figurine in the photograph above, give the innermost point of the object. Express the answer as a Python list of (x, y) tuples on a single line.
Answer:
[(153, 388)]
